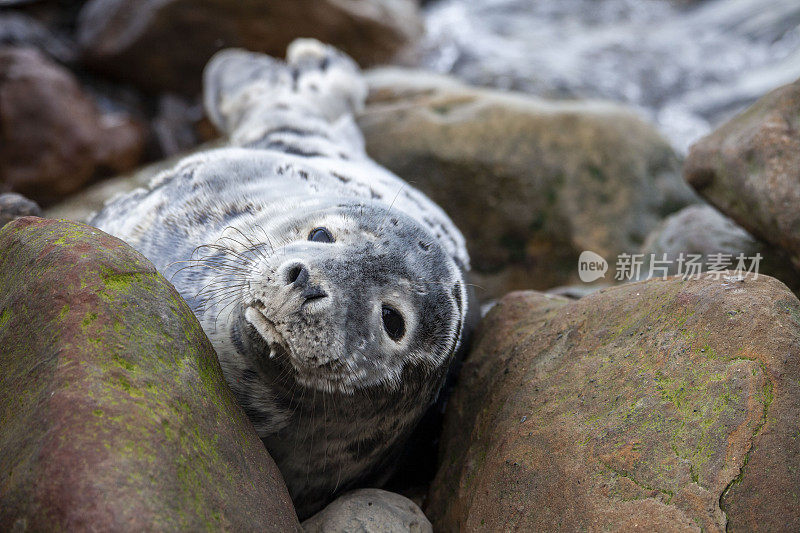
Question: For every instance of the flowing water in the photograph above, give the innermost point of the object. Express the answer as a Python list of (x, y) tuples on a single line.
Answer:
[(686, 65)]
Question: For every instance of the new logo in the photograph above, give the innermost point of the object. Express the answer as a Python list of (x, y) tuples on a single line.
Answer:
[(591, 266)]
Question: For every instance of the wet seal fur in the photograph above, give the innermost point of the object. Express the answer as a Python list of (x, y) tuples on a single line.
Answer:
[(299, 324)]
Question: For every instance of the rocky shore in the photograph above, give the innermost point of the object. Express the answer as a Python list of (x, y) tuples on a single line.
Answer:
[(651, 400)]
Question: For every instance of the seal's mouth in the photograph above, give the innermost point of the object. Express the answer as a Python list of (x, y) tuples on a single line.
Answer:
[(329, 376), (266, 328)]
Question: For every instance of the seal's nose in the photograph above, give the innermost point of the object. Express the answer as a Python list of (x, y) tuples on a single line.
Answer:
[(298, 276)]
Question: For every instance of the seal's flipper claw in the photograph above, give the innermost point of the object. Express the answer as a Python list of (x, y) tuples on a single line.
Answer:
[(323, 70)]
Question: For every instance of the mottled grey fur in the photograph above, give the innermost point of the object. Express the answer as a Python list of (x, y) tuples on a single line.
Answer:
[(332, 396)]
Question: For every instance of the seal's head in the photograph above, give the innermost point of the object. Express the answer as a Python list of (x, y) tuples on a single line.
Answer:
[(351, 295)]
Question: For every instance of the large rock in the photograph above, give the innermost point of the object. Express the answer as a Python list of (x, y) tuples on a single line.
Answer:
[(162, 44), (652, 406), (13, 206), (369, 511), (699, 229), (53, 137), (703, 231), (750, 169), (181, 125), (530, 182), (22, 31), (114, 412)]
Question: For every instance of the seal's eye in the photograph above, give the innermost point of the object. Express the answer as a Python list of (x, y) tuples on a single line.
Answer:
[(320, 235), (393, 323)]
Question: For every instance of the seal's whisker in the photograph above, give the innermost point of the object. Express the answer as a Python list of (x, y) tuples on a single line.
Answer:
[(226, 288), (266, 236), (210, 262), (391, 205), (216, 291), (217, 295), (293, 389), (222, 311), (225, 249), (447, 284), (228, 271), (249, 254), (209, 306), (244, 247), (240, 232), (253, 245)]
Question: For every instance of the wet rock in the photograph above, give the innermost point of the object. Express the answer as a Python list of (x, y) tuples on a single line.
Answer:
[(659, 405), (699, 229), (369, 511), (59, 15), (53, 138), (704, 232), (114, 98), (14, 206), (180, 125), (576, 292), (10, 3), (164, 45), (749, 168), (22, 31), (530, 182), (115, 415)]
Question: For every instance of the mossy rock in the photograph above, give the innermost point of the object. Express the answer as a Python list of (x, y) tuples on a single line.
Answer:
[(114, 414), (665, 405)]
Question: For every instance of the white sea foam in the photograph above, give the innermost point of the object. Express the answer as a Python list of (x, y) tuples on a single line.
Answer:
[(685, 68)]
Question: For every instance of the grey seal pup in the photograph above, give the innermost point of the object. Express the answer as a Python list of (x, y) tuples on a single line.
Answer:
[(332, 291)]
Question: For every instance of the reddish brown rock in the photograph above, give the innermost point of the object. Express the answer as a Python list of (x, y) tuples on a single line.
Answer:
[(53, 138), (749, 168), (164, 45), (114, 415), (665, 405)]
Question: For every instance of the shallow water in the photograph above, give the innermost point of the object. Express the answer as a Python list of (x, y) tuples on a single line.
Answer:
[(686, 67)]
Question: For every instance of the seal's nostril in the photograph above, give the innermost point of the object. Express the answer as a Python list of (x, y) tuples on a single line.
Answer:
[(292, 275), (297, 275)]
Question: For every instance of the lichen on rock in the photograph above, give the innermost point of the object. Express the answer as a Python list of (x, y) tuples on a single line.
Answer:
[(666, 404), (115, 414)]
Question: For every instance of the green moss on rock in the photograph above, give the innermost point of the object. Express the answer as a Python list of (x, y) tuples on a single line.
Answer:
[(667, 403), (115, 415)]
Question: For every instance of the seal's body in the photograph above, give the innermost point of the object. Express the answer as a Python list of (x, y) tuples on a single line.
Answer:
[(332, 291)]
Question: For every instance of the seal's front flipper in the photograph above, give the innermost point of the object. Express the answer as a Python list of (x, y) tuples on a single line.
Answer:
[(301, 107)]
